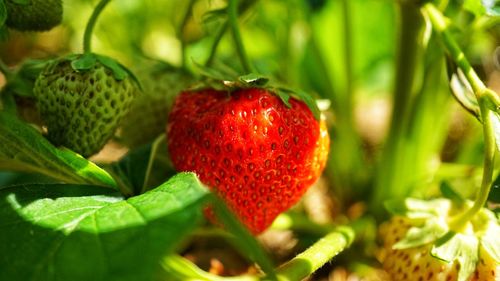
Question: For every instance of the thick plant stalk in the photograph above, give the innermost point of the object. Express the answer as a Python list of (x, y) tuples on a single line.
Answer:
[(317, 255), (391, 181)]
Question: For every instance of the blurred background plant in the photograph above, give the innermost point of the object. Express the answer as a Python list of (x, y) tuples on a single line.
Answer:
[(396, 130)]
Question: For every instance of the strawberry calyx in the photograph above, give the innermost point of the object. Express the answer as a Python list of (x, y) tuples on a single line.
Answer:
[(430, 222), (228, 80), (86, 61)]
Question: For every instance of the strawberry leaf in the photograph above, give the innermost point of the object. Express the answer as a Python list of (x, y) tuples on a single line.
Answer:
[(418, 236), (80, 232), (461, 248), (24, 149)]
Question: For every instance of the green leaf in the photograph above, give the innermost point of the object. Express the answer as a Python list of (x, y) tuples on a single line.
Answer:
[(73, 232), (24, 149), (242, 238), (84, 62), (458, 247), (418, 236), (3, 13)]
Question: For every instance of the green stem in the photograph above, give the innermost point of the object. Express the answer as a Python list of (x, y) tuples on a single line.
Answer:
[(152, 155), (220, 33), (439, 23), (232, 10), (487, 99), (391, 181), (459, 222), (317, 255), (180, 31), (87, 36)]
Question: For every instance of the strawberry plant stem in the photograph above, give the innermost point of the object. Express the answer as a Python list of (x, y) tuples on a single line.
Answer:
[(87, 36), (488, 102), (152, 156), (180, 30), (232, 10), (218, 36), (391, 181), (307, 262)]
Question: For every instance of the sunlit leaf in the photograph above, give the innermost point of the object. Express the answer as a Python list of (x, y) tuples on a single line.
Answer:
[(75, 232), (24, 149)]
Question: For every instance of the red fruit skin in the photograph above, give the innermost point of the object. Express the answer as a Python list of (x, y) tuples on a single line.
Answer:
[(259, 155)]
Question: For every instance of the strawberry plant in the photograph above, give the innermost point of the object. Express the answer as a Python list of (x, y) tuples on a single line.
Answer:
[(249, 140)]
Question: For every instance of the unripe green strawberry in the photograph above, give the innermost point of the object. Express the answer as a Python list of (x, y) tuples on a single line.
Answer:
[(417, 263), (33, 15), (82, 109), (148, 115)]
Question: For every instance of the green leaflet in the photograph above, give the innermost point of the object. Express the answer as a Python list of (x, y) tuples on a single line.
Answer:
[(75, 232), (24, 149)]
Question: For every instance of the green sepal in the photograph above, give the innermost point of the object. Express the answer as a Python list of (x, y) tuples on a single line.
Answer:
[(432, 230), (85, 62), (253, 79), (461, 248), (300, 95), (226, 79), (418, 209), (3, 13)]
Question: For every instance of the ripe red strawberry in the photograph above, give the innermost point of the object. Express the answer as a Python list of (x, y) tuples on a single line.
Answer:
[(417, 264), (258, 154)]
